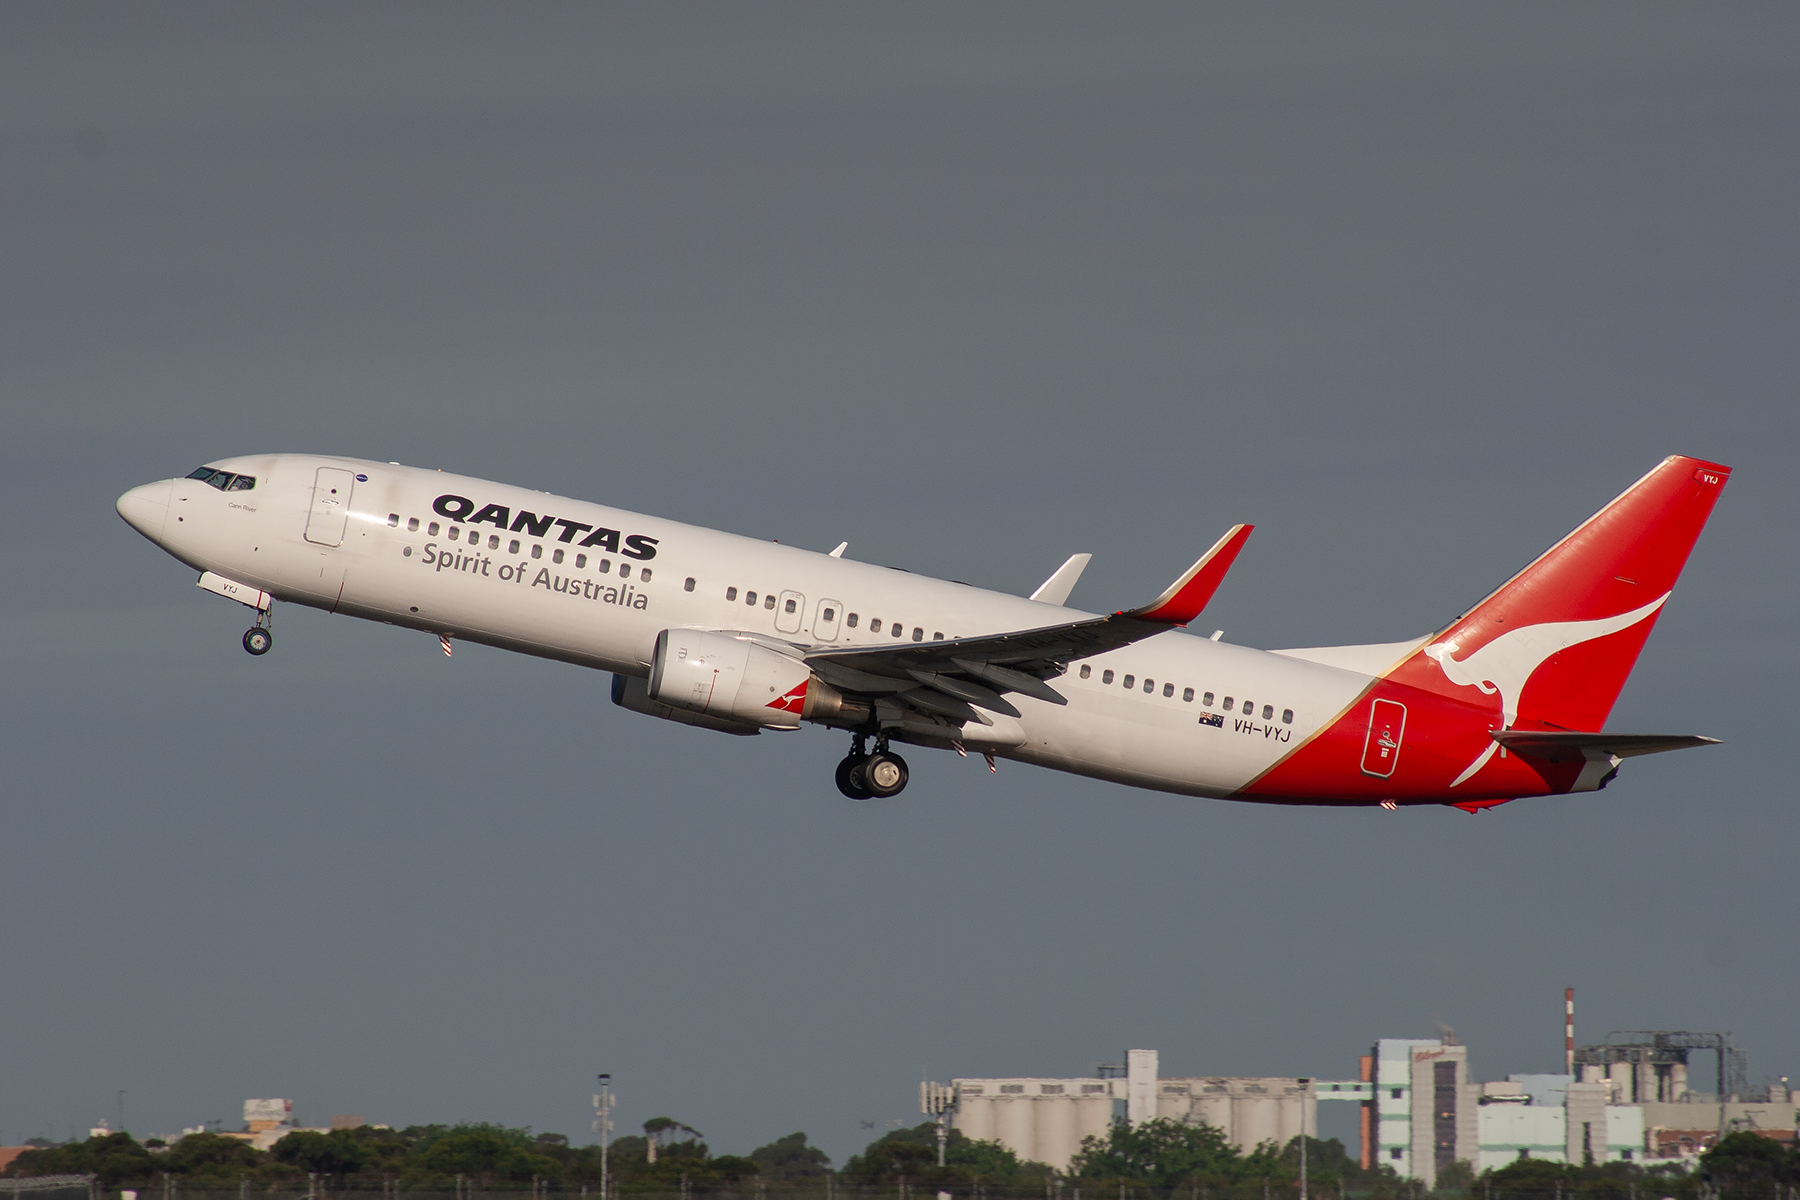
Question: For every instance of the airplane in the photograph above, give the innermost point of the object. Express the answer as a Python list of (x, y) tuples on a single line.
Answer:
[(740, 636)]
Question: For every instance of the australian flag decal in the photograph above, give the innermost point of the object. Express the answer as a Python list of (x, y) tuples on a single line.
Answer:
[(1216, 720)]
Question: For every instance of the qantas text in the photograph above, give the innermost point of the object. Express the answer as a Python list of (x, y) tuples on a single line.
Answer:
[(460, 508)]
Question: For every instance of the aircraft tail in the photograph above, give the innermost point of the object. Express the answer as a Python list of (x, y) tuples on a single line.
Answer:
[(1555, 643)]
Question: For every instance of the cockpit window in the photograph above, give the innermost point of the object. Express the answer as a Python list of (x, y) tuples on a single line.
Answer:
[(225, 481)]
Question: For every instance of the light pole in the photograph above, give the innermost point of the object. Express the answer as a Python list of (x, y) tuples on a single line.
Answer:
[(603, 1103), (1304, 1085)]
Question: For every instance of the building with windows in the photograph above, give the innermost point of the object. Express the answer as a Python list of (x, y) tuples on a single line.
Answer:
[(1421, 1110)]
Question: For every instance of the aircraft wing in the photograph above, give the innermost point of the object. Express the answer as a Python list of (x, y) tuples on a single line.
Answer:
[(947, 677), (1554, 744)]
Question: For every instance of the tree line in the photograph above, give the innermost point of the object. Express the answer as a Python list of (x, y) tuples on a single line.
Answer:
[(1154, 1160)]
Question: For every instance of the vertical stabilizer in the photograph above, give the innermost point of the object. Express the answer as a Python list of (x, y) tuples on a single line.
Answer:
[(1553, 646)]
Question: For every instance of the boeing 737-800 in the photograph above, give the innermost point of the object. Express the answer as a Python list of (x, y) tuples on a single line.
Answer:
[(731, 634)]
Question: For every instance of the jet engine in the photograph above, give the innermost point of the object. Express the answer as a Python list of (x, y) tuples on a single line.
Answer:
[(735, 679)]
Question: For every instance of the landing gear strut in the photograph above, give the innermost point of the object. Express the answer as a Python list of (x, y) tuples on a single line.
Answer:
[(864, 776), (259, 637)]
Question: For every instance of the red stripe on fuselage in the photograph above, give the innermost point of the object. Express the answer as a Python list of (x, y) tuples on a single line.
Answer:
[(1443, 736)]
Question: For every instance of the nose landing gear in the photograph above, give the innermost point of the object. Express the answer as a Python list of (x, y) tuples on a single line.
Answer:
[(864, 776)]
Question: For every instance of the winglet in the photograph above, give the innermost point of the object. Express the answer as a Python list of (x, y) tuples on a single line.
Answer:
[(1188, 596)]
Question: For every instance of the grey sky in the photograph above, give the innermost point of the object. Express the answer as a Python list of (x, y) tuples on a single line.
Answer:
[(1415, 289)]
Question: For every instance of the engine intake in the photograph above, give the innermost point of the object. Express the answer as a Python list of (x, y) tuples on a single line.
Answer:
[(734, 679)]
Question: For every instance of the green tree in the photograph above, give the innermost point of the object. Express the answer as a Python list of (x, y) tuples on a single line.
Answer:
[(489, 1152), (1749, 1163), (116, 1158), (1163, 1151), (913, 1153), (334, 1153), (210, 1156), (790, 1158)]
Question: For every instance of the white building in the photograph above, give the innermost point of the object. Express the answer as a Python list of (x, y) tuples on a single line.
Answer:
[(1046, 1120)]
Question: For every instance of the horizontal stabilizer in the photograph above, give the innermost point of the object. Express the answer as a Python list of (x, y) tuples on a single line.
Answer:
[(1553, 745)]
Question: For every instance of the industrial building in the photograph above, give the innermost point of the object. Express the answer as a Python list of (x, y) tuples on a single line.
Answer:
[(1623, 1100), (1045, 1120)]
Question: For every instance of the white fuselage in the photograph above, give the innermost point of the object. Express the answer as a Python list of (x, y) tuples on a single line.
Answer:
[(523, 587)]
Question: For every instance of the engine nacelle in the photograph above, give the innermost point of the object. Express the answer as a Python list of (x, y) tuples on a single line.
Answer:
[(734, 679), (628, 691)]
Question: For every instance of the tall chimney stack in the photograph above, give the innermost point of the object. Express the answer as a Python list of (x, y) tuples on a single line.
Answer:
[(1569, 1032)]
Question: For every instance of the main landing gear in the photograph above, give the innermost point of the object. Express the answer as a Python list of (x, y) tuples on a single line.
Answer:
[(259, 637), (865, 776)]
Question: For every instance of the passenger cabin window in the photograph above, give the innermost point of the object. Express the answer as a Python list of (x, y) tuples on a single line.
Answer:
[(749, 597), (1168, 689), (580, 559), (1268, 711), (768, 601), (1130, 682), (874, 624), (789, 606), (537, 551), (493, 541), (1287, 716), (937, 637), (689, 585), (918, 634), (1106, 676), (850, 620), (896, 628), (412, 524), (512, 547), (556, 556), (644, 574), (1227, 705), (432, 529), (604, 566), (1207, 700), (455, 532), (1149, 686), (624, 570), (731, 593), (827, 616), (393, 520), (1086, 670), (1187, 695)]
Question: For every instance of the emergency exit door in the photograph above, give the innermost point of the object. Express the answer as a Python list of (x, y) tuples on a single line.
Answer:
[(1381, 748), (330, 513)]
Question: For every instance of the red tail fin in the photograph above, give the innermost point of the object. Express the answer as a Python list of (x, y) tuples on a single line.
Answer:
[(1554, 645)]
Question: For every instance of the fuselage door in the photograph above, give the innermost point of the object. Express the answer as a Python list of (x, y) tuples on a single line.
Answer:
[(788, 611), (1381, 748), (330, 513), (825, 625)]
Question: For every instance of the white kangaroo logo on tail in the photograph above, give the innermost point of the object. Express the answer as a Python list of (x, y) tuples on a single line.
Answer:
[(1506, 664)]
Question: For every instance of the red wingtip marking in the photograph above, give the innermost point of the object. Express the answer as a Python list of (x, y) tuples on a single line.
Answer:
[(1189, 595)]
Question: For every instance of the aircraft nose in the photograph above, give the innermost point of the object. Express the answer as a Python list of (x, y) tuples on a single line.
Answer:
[(146, 508)]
